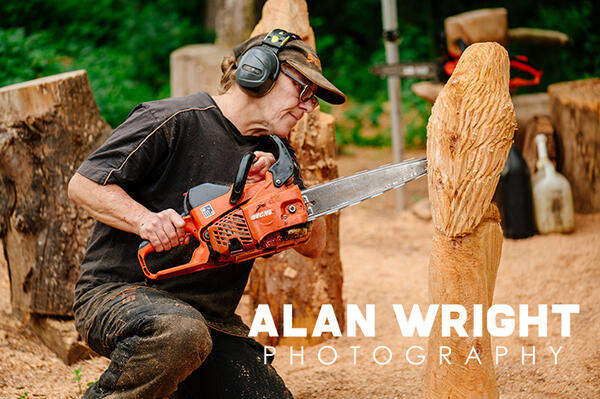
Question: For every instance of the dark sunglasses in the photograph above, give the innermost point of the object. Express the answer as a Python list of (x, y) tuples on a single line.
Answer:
[(306, 94)]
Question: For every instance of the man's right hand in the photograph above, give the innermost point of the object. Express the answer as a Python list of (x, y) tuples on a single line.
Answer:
[(164, 230)]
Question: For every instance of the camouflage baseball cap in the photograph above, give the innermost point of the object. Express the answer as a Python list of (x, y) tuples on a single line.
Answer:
[(302, 58)]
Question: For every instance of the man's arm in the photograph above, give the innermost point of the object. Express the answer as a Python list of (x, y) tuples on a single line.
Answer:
[(316, 243), (111, 205)]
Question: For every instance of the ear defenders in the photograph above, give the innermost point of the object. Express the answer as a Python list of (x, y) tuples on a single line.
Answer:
[(259, 66)]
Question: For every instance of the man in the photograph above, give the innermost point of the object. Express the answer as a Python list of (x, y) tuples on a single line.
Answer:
[(179, 337)]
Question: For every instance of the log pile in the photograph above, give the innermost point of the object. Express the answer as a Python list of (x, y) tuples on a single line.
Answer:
[(468, 139)]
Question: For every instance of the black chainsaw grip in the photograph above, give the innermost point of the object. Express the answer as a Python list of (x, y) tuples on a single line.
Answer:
[(283, 168), (241, 177)]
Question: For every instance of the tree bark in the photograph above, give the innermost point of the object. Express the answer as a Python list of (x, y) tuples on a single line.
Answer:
[(576, 118), (47, 127), (468, 139)]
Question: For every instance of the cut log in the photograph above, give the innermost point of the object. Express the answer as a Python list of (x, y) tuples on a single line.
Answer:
[(197, 67), (290, 278), (234, 21), (537, 36), (468, 139), (539, 124), (485, 25), (47, 127), (61, 337), (576, 118)]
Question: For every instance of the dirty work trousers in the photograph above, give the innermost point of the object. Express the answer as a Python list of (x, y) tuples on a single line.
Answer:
[(161, 347)]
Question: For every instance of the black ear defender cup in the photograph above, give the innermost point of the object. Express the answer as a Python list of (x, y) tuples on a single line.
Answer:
[(258, 68)]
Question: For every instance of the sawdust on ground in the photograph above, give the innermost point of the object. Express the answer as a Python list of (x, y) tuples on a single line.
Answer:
[(385, 257)]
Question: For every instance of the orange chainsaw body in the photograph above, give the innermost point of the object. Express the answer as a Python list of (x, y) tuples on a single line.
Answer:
[(266, 219)]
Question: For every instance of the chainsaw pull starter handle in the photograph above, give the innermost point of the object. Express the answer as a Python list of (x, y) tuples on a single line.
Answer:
[(198, 261)]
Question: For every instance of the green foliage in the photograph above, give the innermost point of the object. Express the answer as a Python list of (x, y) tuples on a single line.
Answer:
[(349, 42), (125, 45)]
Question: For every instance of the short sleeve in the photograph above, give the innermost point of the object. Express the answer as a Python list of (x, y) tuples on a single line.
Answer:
[(130, 153)]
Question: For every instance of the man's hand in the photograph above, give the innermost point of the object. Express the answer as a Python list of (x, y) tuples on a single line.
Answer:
[(164, 230), (260, 165)]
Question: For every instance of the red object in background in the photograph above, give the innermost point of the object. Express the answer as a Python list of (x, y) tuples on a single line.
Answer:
[(519, 63)]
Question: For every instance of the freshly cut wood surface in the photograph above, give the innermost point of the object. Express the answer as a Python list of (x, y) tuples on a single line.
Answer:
[(463, 271), (468, 138)]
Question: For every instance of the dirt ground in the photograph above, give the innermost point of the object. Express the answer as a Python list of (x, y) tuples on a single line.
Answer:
[(385, 256)]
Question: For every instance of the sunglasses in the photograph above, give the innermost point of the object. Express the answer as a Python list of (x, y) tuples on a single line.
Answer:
[(306, 94)]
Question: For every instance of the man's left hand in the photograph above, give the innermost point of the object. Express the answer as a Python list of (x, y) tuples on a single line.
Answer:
[(260, 165)]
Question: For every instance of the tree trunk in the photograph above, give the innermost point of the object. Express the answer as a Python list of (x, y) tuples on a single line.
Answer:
[(290, 278), (576, 118), (234, 21), (47, 127), (469, 135)]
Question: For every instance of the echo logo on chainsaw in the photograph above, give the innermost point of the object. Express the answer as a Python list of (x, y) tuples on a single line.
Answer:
[(261, 214)]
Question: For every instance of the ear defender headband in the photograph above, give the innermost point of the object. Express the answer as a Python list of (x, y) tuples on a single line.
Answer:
[(259, 66)]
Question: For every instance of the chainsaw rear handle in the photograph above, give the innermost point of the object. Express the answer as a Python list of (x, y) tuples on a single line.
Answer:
[(198, 261)]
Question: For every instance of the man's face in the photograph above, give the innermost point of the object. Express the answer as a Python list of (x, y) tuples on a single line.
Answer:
[(283, 106)]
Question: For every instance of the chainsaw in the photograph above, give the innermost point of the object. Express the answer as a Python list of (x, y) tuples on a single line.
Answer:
[(522, 71), (244, 221)]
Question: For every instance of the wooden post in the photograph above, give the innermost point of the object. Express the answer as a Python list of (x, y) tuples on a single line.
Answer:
[(394, 84), (468, 139), (47, 127), (576, 118), (290, 278)]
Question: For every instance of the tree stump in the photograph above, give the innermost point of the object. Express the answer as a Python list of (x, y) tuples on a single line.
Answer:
[(197, 67), (488, 24), (576, 118), (468, 139), (47, 127), (290, 278)]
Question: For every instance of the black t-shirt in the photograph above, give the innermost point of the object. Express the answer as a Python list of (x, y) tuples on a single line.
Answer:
[(163, 149)]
